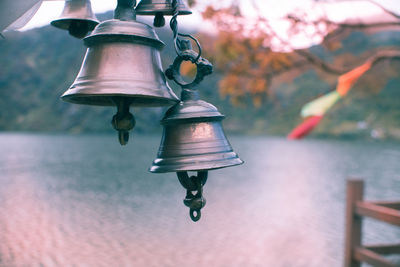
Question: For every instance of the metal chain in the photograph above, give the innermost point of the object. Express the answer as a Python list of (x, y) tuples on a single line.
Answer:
[(195, 202), (184, 51), (173, 24)]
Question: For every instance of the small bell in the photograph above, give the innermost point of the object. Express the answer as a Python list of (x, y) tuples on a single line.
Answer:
[(193, 140), (122, 67), (161, 8), (77, 17)]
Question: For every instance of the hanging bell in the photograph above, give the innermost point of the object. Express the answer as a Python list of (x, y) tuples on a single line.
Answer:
[(122, 67), (161, 8), (77, 17), (193, 138)]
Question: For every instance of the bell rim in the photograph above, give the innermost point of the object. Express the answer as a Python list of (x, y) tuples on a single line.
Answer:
[(83, 89), (63, 23), (159, 167), (153, 101), (165, 12), (154, 8), (198, 118)]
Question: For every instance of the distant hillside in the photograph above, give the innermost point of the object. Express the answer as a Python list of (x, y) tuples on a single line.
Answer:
[(37, 66)]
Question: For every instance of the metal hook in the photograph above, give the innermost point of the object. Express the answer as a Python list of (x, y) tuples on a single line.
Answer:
[(173, 24), (195, 202), (189, 183), (195, 215)]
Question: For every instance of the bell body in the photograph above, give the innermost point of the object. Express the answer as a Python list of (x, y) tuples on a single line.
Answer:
[(77, 17), (193, 140), (122, 62), (152, 7)]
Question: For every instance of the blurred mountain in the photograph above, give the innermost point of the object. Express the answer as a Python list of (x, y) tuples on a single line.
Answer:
[(37, 66), (371, 109)]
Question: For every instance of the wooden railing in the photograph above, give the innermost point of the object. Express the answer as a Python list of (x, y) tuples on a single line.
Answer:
[(356, 208)]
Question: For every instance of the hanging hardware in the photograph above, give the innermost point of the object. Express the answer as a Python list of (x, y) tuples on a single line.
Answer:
[(193, 137), (161, 8), (122, 68)]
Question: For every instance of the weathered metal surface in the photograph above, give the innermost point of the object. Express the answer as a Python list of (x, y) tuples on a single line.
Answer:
[(193, 138), (122, 60), (122, 67)]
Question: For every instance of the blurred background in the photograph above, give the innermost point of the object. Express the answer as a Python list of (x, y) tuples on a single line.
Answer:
[(70, 195)]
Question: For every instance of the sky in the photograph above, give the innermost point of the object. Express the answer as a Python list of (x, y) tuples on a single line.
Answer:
[(274, 10), (50, 10)]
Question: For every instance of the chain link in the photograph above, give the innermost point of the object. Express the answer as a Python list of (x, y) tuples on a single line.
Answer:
[(195, 202), (173, 24)]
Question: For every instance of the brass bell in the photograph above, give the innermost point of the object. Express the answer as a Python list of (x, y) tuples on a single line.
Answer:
[(122, 67), (193, 138), (161, 8), (77, 17)]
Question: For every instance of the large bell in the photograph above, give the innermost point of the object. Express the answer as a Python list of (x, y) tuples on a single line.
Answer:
[(122, 67), (161, 8), (77, 17), (193, 138)]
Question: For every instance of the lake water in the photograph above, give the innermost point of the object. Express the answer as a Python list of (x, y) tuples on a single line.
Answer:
[(87, 201)]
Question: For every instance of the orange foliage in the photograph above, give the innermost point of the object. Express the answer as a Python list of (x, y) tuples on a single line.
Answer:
[(245, 64), (228, 85), (333, 45), (242, 56), (188, 69), (257, 85), (209, 13), (241, 53)]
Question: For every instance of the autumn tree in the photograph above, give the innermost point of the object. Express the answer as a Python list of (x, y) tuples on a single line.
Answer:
[(250, 53)]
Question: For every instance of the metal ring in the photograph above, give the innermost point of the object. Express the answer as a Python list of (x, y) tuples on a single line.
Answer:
[(196, 217), (204, 68)]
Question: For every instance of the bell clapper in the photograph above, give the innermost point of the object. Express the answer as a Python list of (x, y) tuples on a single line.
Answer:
[(123, 121), (77, 17), (78, 28), (194, 201), (159, 20)]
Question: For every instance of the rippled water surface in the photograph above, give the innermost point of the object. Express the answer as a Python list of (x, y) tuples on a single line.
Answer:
[(86, 201)]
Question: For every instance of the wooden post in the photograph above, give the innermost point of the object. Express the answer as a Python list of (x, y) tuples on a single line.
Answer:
[(355, 190)]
